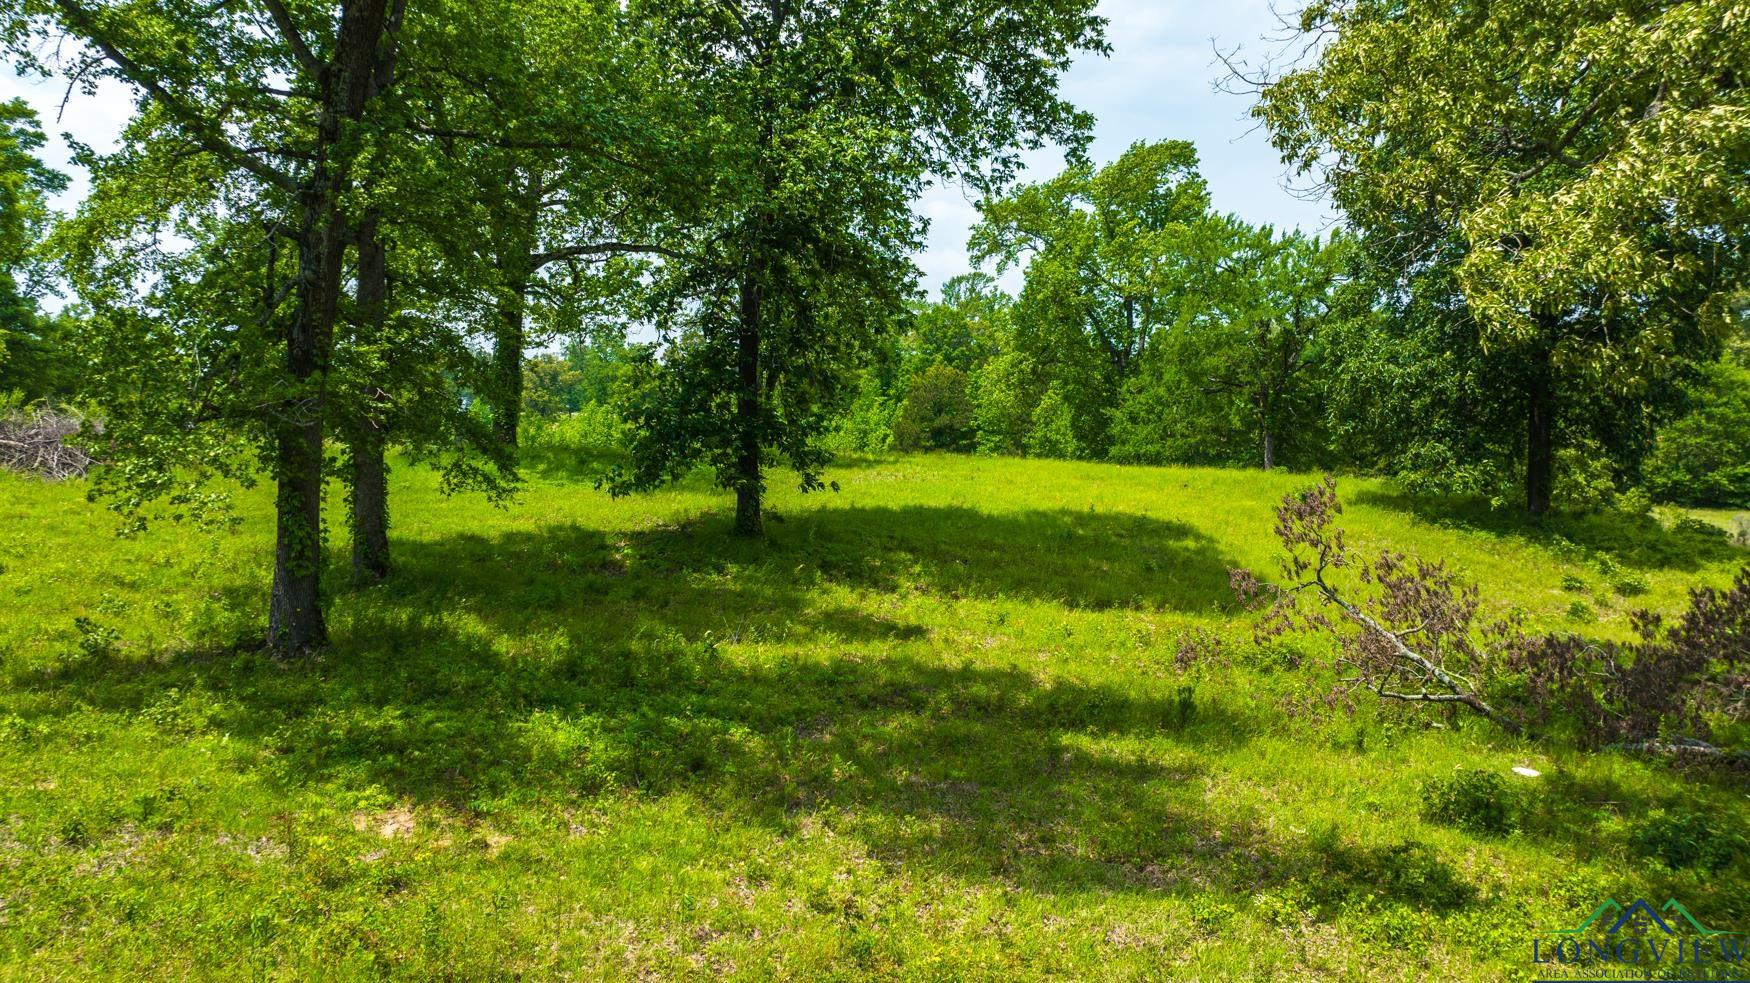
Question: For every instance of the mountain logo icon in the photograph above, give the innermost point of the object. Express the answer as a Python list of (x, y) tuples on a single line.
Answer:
[(1641, 914)]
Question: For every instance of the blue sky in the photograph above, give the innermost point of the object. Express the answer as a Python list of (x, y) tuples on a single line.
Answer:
[(1157, 84)]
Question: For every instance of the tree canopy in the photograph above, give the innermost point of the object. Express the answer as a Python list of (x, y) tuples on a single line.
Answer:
[(1564, 180)]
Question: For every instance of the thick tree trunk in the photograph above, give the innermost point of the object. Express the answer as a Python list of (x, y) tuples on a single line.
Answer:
[(1540, 455), (1269, 448), (295, 623), (749, 482), (370, 433), (370, 509)]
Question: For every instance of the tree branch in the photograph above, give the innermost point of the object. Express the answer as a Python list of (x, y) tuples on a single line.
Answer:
[(282, 19), (203, 130), (539, 260)]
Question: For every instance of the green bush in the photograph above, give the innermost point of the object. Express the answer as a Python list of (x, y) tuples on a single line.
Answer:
[(866, 426), (1585, 479), (1629, 584), (1680, 838), (1471, 799), (1001, 411), (1053, 433), (936, 413), (1704, 457), (593, 428)]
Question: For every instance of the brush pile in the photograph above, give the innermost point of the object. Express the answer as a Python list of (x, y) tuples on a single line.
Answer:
[(35, 440)]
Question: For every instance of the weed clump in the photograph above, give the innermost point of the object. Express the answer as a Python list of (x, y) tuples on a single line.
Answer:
[(1472, 799), (1680, 839)]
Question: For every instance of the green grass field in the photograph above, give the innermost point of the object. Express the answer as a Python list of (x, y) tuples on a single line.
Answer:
[(965, 719)]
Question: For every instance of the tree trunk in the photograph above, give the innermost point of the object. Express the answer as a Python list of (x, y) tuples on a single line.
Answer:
[(370, 432), (516, 268), (295, 623), (507, 362), (749, 482), (1540, 456), (1269, 448), (370, 508)]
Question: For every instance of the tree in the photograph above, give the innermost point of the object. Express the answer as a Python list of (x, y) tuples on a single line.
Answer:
[(936, 414), (1236, 382), (826, 120), (1567, 173), (962, 329), (1703, 457), (32, 353), (1109, 258), (255, 112)]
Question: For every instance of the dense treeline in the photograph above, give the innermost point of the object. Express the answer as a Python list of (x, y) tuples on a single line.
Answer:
[(332, 229)]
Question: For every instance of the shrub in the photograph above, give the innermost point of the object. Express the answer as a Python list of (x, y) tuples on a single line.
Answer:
[(866, 426), (1704, 457), (1680, 838), (1629, 584), (593, 428), (1001, 409), (1471, 799), (936, 413), (1689, 525), (1584, 478), (1053, 433)]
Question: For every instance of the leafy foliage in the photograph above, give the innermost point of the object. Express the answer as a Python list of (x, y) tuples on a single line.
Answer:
[(35, 359), (1238, 380), (1673, 681), (1703, 457), (936, 414), (1551, 177), (1411, 631), (1472, 799), (1110, 256), (827, 120), (1681, 838)]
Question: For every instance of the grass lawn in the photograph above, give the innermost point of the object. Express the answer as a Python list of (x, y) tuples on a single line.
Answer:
[(966, 718)]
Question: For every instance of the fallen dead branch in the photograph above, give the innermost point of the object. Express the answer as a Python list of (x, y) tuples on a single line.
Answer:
[(37, 441)]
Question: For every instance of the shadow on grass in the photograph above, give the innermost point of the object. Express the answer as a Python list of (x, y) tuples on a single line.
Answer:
[(574, 465), (940, 770), (586, 466), (529, 674), (1091, 560), (523, 675), (705, 578), (1634, 541)]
